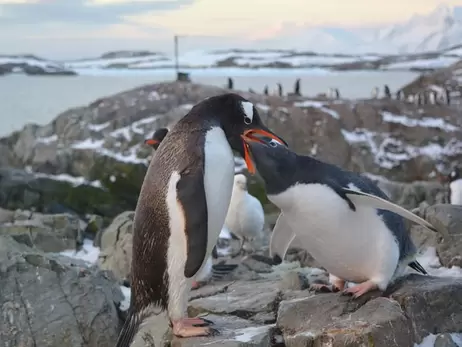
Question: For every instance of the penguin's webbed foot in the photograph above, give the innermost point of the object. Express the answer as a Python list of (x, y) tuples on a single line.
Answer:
[(360, 289), (193, 327)]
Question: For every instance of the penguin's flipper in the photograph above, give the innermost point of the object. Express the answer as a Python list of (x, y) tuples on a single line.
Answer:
[(340, 191), (281, 238), (361, 198), (191, 196)]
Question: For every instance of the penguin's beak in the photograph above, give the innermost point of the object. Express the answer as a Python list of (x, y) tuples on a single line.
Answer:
[(151, 142), (251, 135)]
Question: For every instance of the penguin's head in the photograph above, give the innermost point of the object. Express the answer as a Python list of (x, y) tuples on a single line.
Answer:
[(157, 138), (454, 175), (240, 181), (240, 121), (275, 163)]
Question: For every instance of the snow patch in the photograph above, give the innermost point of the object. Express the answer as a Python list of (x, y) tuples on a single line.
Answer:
[(47, 140), (426, 122), (248, 334), (98, 127), (76, 181), (318, 105), (87, 253)]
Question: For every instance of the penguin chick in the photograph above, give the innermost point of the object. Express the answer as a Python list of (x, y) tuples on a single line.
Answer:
[(245, 217)]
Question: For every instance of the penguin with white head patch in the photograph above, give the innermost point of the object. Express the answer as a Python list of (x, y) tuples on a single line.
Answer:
[(455, 187), (182, 207), (341, 218)]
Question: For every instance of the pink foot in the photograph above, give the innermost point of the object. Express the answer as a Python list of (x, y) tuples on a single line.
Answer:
[(361, 289), (191, 327)]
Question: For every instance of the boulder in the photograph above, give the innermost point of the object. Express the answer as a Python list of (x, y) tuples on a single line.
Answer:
[(417, 306), (53, 301), (46, 232), (447, 219)]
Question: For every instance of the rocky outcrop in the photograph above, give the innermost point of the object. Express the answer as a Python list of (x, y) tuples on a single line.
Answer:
[(53, 301), (48, 233), (97, 152), (448, 241), (32, 65)]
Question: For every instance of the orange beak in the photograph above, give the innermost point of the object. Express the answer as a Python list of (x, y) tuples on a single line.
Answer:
[(248, 136), (151, 142)]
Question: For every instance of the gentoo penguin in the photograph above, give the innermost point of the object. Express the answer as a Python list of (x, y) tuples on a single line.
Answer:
[(387, 92), (297, 87), (341, 218), (280, 92), (230, 83), (182, 207), (265, 90), (157, 138), (455, 187), (245, 217)]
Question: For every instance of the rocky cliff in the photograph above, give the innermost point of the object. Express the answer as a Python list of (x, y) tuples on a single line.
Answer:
[(91, 159)]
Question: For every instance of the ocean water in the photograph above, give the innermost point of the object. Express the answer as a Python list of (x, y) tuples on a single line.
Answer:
[(39, 99)]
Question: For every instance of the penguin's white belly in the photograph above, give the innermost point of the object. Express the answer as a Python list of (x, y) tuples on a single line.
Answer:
[(456, 192), (218, 183), (355, 246)]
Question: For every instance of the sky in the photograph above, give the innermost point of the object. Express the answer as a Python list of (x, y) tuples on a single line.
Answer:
[(78, 28)]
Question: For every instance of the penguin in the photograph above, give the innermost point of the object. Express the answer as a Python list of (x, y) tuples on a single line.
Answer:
[(375, 93), (455, 187), (265, 90), (182, 207), (280, 92), (448, 96), (340, 217), (157, 138), (230, 83), (432, 97), (297, 87), (337, 93), (387, 92), (245, 218)]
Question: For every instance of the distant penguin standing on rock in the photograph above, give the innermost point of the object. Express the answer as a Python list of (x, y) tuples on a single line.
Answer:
[(297, 87), (280, 92), (337, 93), (448, 96), (341, 218), (455, 187), (182, 207), (265, 90), (387, 92), (230, 83), (245, 218)]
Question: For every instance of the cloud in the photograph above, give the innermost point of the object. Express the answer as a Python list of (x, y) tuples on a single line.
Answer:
[(87, 12)]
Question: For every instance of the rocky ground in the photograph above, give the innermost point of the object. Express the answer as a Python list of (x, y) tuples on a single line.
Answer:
[(49, 299), (91, 159)]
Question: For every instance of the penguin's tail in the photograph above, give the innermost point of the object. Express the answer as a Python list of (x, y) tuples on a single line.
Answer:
[(415, 265), (130, 328)]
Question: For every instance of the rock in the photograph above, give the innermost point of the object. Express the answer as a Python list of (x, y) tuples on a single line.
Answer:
[(242, 300), (94, 226), (447, 219), (48, 233), (46, 302), (116, 246), (445, 340), (121, 225), (118, 258), (234, 332), (420, 305), (432, 304)]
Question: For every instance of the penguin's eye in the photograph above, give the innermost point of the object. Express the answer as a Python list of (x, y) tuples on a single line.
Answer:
[(247, 120), (273, 143)]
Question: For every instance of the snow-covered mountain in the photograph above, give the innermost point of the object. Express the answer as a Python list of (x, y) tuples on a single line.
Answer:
[(436, 31)]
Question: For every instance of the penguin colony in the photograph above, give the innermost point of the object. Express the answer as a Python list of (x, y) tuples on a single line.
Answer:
[(182, 207), (342, 218)]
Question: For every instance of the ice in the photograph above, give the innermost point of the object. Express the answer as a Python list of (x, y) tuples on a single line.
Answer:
[(430, 261), (427, 122), (87, 253), (248, 334)]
